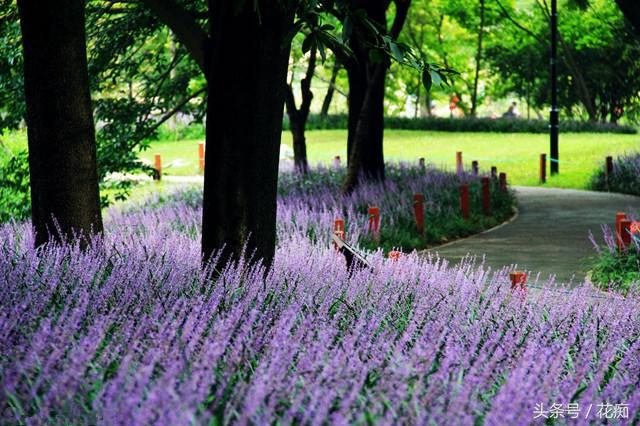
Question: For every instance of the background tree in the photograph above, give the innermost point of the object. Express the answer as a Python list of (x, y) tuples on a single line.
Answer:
[(65, 199)]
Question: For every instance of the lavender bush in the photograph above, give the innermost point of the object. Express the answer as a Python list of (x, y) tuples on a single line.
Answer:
[(625, 177), (132, 331)]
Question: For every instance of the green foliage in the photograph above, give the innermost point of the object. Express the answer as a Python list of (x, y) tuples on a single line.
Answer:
[(14, 187), (625, 177), (317, 122), (617, 271)]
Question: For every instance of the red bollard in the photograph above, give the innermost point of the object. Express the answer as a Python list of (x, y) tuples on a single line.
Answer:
[(620, 216), (474, 168), (459, 166), (374, 222), (494, 172), (418, 209), (338, 228), (503, 182), (625, 233), (336, 162), (422, 164), (158, 165), (486, 197), (464, 200), (608, 169), (395, 255), (543, 168), (201, 156), (518, 280)]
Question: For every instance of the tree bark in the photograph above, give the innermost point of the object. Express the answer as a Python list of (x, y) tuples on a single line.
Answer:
[(244, 123), (298, 116), (328, 97), (65, 199), (366, 98), (474, 93)]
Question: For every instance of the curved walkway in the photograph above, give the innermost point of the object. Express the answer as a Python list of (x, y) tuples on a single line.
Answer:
[(550, 235)]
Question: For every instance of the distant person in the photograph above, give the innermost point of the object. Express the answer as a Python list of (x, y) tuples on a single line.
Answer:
[(512, 112)]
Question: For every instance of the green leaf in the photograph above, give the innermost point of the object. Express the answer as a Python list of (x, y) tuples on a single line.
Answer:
[(307, 43), (396, 52), (426, 79), (435, 77)]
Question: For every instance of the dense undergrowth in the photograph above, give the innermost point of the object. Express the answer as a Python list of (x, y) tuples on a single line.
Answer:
[(625, 177), (132, 331)]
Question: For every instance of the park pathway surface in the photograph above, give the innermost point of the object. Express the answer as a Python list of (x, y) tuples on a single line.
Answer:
[(550, 235)]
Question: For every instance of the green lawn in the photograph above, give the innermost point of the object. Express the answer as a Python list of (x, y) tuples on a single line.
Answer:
[(516, 154)]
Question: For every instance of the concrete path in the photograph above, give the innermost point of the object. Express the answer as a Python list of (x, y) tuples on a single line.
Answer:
[(550, 235)]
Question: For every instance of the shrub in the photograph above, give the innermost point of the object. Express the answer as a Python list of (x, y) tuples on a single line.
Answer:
[(499, 125), (625, 177), (132, 332), (15, 200), (615, 269)]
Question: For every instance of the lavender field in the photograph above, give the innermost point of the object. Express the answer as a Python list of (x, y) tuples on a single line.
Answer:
[(133, 331)]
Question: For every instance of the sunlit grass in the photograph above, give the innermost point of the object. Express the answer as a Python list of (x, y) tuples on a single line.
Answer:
[(516, 154)]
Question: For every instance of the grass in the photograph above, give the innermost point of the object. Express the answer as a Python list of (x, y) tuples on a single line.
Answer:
[(516, 154)]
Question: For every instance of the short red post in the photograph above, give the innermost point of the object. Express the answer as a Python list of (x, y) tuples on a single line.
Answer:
[(625, 233), (503, 182), (608, 169), (459, 166), (620, 216), (374, 222), (494, 172), (464, 200), (158, 166), (474, 168), (395, 255), (486, 196), (422, 164), (338, 228), (201, 156), (518, 280), (418, 210), (543, 168), (336, 161)]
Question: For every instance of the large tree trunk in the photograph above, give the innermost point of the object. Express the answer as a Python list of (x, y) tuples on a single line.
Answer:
[(246, 69), (360, 71), (65, 199), (366, 98)]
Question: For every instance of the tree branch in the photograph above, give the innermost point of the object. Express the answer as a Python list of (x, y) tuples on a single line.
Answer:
[(183, 25)]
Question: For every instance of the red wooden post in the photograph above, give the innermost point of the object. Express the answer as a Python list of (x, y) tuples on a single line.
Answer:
[(422, 164), (374, 222), (494, 172), (158, 165), (336, 162), (620, 216), (625, 233), (418, 209), (503, 182), (543, 168), (608, 169), (201, 156), (474, 168), (518, 280), (338, 228), (459, 166), (395, 255), (464, 200), (486, 196)]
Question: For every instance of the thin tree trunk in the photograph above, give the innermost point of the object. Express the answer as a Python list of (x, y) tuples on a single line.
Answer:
[(326, 103), (244, 124), (298, 116), (65, 199), (474, 93)]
